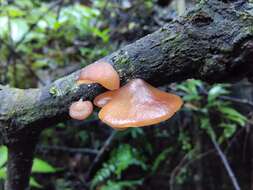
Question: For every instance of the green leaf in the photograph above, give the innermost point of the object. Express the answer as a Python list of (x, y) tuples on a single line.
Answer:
[(3, 26), (233, 115), (34, 183), (19, 28), (121, 158), (229, 129), (191, 97), (102, 34), (216, 91), (206, 125), (14, 11), (3, 155), (190, 87), (136, 132), (161, 157), (40, 166), (120, 185), (185, 141), (125, 156), (3, 173)]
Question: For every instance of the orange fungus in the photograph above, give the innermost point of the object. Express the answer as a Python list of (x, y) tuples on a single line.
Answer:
[(139, 104), (80, 110), (100, 72)]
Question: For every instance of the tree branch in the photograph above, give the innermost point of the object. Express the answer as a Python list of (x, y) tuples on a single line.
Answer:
[(20, 159), (212, 42)]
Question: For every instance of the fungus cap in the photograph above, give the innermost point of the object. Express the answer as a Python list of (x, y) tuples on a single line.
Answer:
[(80, 110), (100, 72), (139, 104), (102, 99)]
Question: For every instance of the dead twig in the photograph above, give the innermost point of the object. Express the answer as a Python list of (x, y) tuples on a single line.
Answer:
[(100, 154), (226, 165), (237, 100), (41, 148), (177, 169)]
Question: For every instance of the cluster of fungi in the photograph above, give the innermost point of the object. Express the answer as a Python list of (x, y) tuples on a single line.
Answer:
[(136, 104)]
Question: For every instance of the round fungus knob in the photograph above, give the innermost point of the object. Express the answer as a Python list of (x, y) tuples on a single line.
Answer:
[(139, 104), (102, 99), (100, 72), (80, 110)]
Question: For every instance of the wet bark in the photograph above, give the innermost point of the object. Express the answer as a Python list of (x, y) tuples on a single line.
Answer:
[(213, 42), (20, 159)]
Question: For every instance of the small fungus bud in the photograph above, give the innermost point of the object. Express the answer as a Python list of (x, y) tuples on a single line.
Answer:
[(100, 72), (80, 110)]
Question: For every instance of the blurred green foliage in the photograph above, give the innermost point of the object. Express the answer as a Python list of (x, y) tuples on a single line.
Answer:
[(229, 118), (40, 35), (40, 38), (39, 166), (121, 158)]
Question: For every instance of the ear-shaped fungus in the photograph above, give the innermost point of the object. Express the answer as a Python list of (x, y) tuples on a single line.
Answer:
[(102, 99), (100, 72), (80, 110), (139, 104)]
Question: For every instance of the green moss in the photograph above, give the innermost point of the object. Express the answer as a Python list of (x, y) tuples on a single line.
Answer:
[(211, 66), (226, 49), (245, 15), (250, 29), (64, 86), (163, 29), (201, 3), (123, 61), (54, 91), (71, 87), (122, 58), (171, 38), (142, 60), (174, 41)]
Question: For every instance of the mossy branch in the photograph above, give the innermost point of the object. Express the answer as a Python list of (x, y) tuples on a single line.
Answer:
[(213, 42)]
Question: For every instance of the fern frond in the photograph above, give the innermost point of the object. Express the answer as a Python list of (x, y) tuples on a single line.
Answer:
[(120, 159)]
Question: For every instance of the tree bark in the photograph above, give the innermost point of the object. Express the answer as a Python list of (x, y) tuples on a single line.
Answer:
[(20, 159), (213, 42)]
